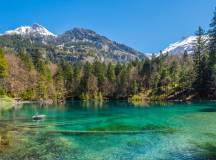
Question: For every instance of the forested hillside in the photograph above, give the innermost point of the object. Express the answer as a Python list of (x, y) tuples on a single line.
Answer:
[(28, 73)]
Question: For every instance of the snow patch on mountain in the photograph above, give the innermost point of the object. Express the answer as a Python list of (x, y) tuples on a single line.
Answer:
[(187, 44), (181, 46), (33, 30)]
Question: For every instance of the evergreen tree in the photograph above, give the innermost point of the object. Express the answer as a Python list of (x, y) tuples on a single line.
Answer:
[(212, 52), (123, 81), (111, 73), (118, 68), (199, 51), (59, 84), (173, 70), (26, 59), (146, 73), (87, 74), (100, 72), (76, 80), (134, 87), (185, 56), (68, 71), (40, 64)]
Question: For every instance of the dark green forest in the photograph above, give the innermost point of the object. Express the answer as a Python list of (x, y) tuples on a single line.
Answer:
[(28, 75)]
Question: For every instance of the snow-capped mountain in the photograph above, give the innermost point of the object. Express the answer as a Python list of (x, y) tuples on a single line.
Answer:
[(73, 45), (187, 44), (33, 31)]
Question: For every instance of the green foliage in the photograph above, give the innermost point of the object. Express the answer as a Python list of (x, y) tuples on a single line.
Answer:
[(212, 53), (68, 70), (111, 73), (59, 84), (100, 72), (200, 62), (26, 59), (28, 94), (41, 65), (134, 87), (3, 65), (85, 96)]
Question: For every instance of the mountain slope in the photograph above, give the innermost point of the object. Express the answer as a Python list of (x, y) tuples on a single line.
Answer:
[(73, 45), (179, 47), (79, 39)]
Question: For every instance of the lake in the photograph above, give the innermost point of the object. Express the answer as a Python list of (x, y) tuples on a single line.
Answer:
[(113, 130)]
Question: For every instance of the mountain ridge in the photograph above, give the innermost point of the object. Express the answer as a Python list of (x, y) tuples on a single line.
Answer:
[(79, 39), (85, 43), (186, 44)]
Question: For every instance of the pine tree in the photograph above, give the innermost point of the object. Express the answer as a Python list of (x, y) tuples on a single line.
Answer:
[(185, 56), (111, 73), (87, 74), (76, 80), (212, 38), (199, 50), (146, 73), (100, 72), (212, 52), (68, 71), (26, 59), (173, 73), (118, 68), (40, 64), (134, 87), (123, 81), (59, 83)]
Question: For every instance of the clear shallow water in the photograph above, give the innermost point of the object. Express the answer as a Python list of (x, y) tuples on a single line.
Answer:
[(113, 130)]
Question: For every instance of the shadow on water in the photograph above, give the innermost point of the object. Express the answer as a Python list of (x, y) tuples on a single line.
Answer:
[(207, 151), (208, 110)]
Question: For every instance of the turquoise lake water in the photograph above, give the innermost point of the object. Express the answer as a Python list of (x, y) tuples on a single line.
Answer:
[(114, 130)]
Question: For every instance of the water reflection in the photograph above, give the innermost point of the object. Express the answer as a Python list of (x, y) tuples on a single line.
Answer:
[(93, 104)]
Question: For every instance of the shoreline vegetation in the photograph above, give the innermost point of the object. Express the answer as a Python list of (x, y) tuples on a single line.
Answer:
[(6, 103), (28, 73)]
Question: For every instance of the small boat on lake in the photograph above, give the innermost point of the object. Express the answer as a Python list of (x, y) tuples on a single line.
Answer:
[(38, 117)]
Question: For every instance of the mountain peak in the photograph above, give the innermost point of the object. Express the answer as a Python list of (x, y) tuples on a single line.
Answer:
[(83, 30), (186, 44), (33, 30), (77, 43), (37, 26)]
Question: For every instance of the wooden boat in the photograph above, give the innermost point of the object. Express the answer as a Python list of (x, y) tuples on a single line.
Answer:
[(38, 117)]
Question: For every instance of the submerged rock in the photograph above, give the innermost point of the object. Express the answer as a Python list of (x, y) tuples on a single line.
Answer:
[(208, 110), (207, 151), (4, 140)]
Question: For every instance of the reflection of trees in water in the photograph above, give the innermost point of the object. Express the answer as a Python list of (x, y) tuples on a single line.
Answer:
[(152, 104), (92, 104)]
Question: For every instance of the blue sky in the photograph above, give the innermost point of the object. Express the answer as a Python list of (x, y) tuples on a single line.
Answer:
[(146, 25)]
